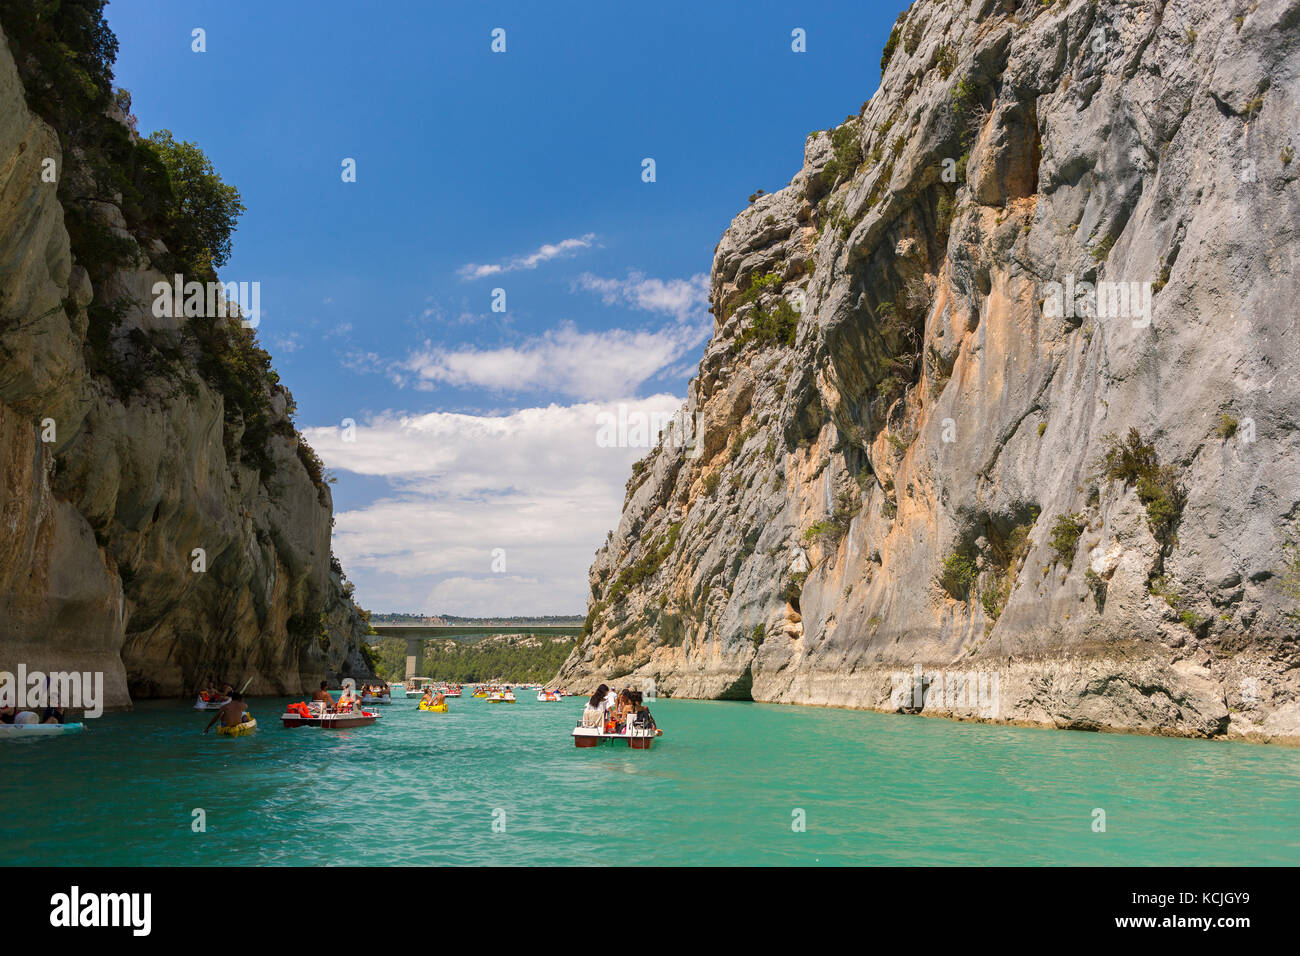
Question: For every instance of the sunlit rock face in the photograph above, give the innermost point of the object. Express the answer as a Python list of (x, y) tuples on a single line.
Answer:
[(106, 498), (1051, 225)]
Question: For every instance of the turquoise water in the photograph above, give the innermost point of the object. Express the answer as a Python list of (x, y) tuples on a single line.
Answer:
[(721, 787)]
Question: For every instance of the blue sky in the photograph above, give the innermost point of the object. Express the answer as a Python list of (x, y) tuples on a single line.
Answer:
[(474, 483)]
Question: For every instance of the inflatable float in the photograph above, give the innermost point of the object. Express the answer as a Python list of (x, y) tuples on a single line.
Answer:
[(242, 729)]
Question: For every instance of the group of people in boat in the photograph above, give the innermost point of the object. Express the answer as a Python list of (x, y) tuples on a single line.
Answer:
[(348, 700), (432, 698), (211, 692), (48, 715), (612, 712)]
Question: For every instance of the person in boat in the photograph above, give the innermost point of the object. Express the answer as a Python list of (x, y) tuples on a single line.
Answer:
[(347, 700), (427, 699), (323, 696), (593, 715), (640, 712), (439, 699), (232, 713), (622, 707)]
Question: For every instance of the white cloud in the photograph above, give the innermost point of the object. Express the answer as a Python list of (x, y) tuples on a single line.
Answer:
[(363, 362), (583, 365), (545, 253), (685, 299), (287, 344), (533, 482)]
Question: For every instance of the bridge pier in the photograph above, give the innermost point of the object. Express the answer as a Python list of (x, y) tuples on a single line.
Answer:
[(414, 648)]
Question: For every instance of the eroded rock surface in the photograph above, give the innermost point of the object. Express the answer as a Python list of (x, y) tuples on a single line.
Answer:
[(107, 491), (912, 472)]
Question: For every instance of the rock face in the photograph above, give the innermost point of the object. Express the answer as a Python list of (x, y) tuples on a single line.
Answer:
[(106, 493), (957, 468)]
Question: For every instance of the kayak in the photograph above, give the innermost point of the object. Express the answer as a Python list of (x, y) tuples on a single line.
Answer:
[(433, 708), (239, 730), (12, 731)]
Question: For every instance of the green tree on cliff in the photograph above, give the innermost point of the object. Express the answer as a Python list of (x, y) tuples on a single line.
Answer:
[(206, 210)]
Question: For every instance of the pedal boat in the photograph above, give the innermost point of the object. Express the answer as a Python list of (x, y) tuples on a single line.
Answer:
[(635, 737), (331, 721)]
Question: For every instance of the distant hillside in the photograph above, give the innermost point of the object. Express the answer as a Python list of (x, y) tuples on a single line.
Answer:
[(515, 658), (541, 620)]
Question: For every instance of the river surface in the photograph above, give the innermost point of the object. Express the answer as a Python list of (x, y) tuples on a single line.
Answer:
[(728, 783)]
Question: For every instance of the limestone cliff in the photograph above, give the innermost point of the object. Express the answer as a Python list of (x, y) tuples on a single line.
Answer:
[(920, 442), (121, 454)]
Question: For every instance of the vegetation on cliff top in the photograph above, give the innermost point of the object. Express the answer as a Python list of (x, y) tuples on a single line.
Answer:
[(167, 191)]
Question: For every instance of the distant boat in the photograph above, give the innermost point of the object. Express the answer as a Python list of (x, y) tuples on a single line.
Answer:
[(548, 695)]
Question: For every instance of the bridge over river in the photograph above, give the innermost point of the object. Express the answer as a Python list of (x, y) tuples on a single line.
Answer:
[(416, 634)]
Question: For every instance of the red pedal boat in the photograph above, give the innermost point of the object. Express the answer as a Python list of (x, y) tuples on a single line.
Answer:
[(637, 738), (314, 716)]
